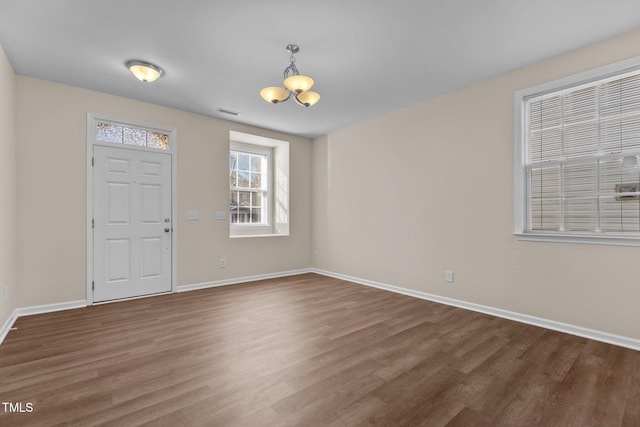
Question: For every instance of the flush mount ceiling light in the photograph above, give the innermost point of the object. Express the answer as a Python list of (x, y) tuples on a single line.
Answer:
[(295, 84), (144, 71)]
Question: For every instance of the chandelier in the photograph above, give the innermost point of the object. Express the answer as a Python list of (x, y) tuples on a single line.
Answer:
[(295, 84)]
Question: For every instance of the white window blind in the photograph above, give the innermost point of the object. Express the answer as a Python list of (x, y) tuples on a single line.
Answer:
[(580, 163)]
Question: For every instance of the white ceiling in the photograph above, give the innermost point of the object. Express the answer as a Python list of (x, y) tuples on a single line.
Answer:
[(367, 57)]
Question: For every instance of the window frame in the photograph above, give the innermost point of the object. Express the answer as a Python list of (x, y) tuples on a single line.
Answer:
[(267, 204), (521, 190), (278, 211)]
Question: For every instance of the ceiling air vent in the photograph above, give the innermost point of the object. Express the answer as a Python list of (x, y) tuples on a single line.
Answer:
[(229, 112)]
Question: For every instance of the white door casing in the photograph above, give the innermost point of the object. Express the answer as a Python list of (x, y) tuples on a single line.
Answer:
[(132, 223)]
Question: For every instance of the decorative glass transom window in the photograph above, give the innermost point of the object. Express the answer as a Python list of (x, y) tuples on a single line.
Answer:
[(577, 158), (121, 134)]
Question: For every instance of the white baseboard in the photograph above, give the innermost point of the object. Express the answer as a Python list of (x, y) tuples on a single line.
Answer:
[(518, 317), (237, 280), (8, 325), (50, 308), (37, 309), (618, 340)]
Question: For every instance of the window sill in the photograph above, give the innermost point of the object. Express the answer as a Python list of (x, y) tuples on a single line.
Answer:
[(242, 236), (579, 239)]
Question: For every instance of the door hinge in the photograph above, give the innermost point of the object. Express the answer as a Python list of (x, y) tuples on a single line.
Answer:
[(93, 285), (92, 223), (92, 161)]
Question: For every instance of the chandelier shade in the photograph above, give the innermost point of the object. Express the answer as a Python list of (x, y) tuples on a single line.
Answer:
[(274, 94), (308, 98), (294, 84), (298, 84)]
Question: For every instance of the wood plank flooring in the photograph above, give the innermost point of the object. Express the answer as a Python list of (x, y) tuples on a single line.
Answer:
[(307, 350)]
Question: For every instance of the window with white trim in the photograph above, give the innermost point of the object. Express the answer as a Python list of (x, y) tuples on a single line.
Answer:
[(577, 152), (258, 186), (249, 177)]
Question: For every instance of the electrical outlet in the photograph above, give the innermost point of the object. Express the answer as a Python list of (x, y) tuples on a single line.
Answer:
[(316, 254), (6, 294), (448, 276), (222, 262)]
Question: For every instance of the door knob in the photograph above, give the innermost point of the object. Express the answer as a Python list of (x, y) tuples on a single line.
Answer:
[(167, 229)]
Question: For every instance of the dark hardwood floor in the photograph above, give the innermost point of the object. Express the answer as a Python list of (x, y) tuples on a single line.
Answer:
[(307, 351)]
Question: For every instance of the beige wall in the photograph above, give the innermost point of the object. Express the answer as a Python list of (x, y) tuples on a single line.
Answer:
[(51, 133), (404, 197), (7, 188)]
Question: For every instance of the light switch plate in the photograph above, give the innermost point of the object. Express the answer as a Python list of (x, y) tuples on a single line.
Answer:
[(193, 216), (219, 215), (448, 276)]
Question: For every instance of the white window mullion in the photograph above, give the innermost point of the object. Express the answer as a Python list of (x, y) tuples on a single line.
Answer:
[(563, 148), (562, 199), (598, 227), (529, 206), (598, 189)]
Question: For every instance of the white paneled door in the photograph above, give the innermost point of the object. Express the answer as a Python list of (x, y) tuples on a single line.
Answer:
[(132, 223)]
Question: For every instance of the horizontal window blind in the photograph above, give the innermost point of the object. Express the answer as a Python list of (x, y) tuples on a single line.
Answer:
[(582, 146)]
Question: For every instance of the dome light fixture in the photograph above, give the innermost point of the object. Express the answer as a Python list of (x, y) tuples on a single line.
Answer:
[(295, 84), (144, 71)]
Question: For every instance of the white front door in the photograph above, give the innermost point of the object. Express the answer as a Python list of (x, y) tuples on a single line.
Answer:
[(132, 223)]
